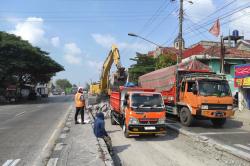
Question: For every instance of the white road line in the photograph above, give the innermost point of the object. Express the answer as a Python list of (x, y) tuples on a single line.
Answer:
[(217, 133), (7, 163), (242, 146), (52, 162), (15, 162), (20, 114), (59, 146), (11, 162)]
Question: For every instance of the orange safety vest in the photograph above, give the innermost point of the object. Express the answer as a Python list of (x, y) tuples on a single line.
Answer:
[(78, 101)]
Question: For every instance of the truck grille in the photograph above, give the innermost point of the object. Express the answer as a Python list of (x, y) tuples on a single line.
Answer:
[(148, 121), (217, 106)]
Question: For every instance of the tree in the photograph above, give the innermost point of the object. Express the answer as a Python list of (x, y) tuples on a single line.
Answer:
[(63, 84), (87, 86), (165, 60), (21, 63), (144, 64)]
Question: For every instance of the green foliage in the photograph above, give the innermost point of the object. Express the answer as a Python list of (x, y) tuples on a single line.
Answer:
[(163, 61), (144, 64), (63, 84), (21, 63)]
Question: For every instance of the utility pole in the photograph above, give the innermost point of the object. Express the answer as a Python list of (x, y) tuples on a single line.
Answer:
[(180, 49), (180, 29)]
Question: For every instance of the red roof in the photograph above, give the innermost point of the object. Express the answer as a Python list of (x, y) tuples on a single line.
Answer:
[(230, 52), (193, 51)]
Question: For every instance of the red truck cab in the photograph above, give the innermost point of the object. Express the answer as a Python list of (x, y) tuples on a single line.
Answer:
[(138, 110)]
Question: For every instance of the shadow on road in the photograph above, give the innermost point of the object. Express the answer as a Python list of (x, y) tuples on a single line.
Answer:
[(170, 135), (207, 124), (116, 150)]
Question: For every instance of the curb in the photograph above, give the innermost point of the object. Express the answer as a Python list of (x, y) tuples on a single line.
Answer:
[(225, 148), (42, 159), (104, 153)]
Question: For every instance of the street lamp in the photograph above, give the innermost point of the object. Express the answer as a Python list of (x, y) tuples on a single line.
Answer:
[(135, 35)]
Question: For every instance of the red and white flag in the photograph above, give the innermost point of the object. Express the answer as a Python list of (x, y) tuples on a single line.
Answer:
[(215, 29)]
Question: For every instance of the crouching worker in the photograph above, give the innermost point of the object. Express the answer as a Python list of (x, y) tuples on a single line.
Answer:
[(100, 132)]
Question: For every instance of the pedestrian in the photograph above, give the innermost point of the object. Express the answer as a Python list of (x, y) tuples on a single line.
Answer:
[(100, 132), (80, 104)]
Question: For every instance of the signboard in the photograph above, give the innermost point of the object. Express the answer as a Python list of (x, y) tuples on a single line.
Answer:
[(239, 82), (242, 75), (242, 71)]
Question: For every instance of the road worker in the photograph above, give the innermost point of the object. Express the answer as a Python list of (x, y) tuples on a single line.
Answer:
[(80, 104)]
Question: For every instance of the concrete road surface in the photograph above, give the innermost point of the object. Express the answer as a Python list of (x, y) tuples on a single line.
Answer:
[(26, 129), (173, 149), (233, 133)]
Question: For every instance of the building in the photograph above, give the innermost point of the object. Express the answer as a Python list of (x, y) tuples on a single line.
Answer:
[(243, 45), (209, 53), (242, 81)]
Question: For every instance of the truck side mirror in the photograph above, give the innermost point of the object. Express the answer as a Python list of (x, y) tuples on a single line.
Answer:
[(125, 103), (194, 89)]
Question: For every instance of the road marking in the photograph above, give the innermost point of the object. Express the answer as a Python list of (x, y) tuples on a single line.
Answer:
[(59, 146), (11, 162), (65, 129), (242, 146), (52, 162), (20, 114), (215, 133)]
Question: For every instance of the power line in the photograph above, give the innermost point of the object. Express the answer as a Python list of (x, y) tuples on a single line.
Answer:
[(225, 15)]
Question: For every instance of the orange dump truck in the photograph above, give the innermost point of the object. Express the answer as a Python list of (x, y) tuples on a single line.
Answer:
[(138, 110), (198, 92)]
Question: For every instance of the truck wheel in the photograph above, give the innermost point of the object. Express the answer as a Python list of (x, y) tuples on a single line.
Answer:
[(125, 131), (113, 122), (186, 117), (218, 122)]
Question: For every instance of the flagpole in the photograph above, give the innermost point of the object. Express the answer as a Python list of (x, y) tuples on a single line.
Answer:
[(222, 54)]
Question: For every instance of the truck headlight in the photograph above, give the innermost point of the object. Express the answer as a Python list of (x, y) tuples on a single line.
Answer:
[(204, 107), (161, 120), (229, 107), (133, 120)]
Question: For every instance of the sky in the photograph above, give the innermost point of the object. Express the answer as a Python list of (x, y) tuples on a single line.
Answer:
[(78, 34)]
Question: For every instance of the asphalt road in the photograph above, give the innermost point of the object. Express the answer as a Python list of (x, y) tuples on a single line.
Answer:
[(233, 133), (25, 129)]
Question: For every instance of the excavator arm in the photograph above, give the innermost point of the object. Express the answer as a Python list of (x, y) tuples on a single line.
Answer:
[(120, 75)]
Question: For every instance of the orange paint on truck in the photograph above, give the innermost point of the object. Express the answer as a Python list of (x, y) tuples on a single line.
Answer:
[(138, 111)]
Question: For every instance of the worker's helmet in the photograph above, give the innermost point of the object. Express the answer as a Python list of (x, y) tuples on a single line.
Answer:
[(80, 89)]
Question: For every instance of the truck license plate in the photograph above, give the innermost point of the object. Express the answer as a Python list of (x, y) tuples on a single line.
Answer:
[(149, 128), (218, 114)]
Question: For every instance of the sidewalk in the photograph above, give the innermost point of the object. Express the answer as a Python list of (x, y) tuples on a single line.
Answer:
[(243, 116), (79, 146)]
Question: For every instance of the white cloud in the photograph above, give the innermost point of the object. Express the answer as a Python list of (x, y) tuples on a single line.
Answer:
[(95, 64), (55, 41), (31, 29), (199, 9), (72, 53), (106, 41), (241, 22)]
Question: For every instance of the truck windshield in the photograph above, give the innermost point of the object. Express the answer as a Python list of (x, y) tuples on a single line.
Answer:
[(214, 88), (146, 100)]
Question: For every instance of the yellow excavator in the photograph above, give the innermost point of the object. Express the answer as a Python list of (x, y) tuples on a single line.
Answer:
[(118, 78)]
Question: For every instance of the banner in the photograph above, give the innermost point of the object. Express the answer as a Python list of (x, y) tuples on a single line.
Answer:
[(242, 82), (242, 71)]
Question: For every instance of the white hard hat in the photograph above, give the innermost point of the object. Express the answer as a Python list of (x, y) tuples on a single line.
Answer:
[(80, 88)]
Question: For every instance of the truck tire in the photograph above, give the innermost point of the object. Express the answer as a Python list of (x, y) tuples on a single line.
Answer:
[(125, 131), (186, 117), (113, 122), (218, 122)]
